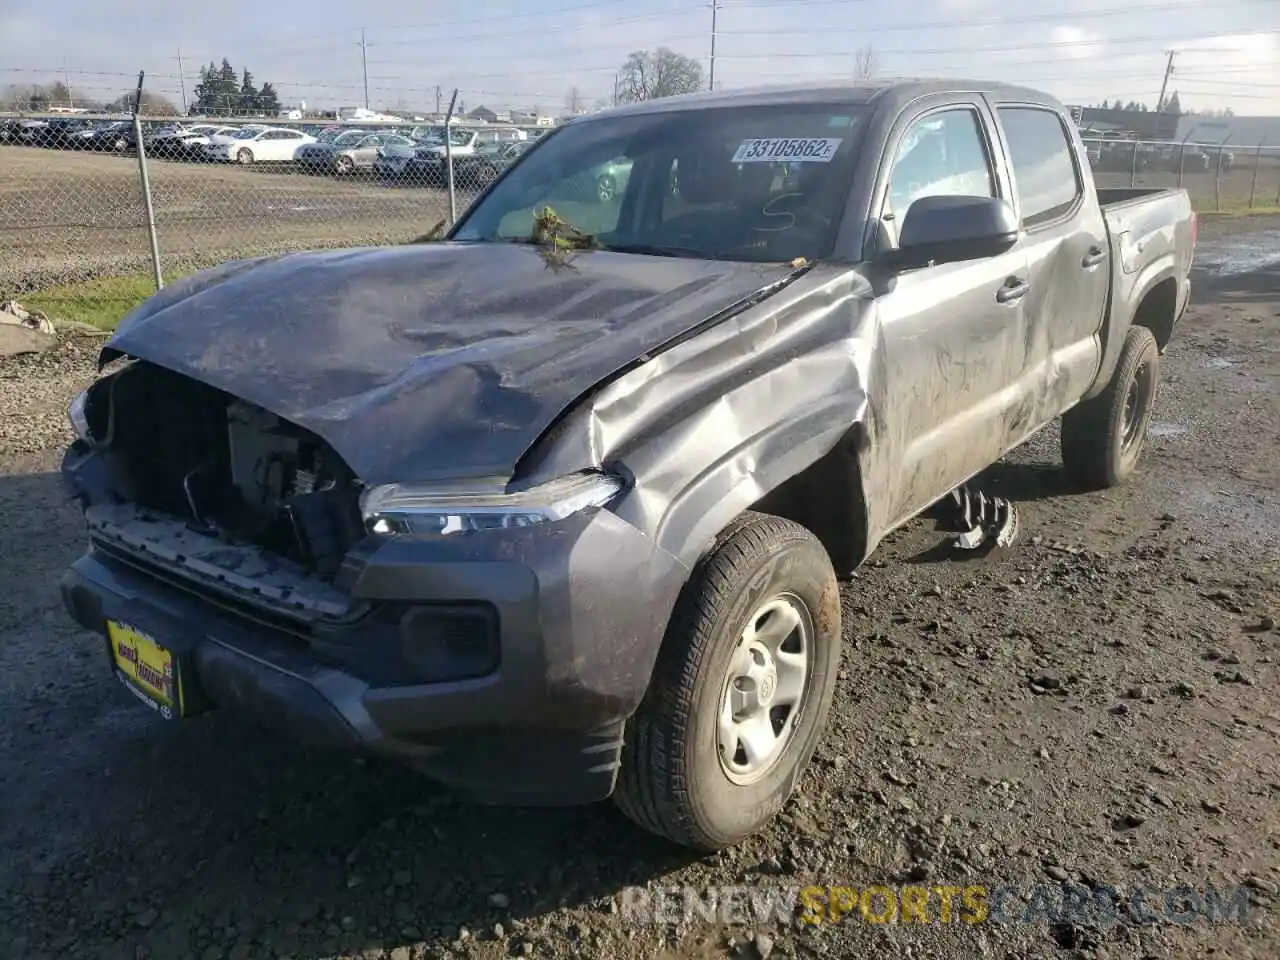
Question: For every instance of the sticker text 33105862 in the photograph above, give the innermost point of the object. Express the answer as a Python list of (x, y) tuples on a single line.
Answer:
[(788, 149)]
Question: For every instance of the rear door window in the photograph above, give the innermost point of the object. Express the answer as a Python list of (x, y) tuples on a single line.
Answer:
[(1044, 171)]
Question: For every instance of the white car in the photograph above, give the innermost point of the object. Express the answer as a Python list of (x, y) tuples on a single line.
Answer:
[(199, 136), (275, 145)]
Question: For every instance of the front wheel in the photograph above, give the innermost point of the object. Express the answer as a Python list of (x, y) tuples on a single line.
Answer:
[(345, 165), (1103, 438), (245, 157), (741, 690)]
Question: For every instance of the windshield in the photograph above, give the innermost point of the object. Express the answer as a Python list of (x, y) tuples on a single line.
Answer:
[(246, 134), (349, 138), (756, 183)]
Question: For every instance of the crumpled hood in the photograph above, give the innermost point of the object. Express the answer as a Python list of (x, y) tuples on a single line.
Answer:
[(434, 361)]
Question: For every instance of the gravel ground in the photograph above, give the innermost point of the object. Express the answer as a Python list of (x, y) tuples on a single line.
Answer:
[(1093, 706)]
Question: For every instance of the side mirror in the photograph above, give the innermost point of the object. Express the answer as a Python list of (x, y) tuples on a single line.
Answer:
[(946, 229)]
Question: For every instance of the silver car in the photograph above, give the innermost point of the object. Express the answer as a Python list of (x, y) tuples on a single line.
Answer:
[(348, 152)]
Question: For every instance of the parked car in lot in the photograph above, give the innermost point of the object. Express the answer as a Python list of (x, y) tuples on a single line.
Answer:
[(1218, 156), (60, 133), (248, 146), (349, 152), (29, 131), (192, 143), (554, 522), (1187, 158), (425, 163), (180, 142), (116, 137), (482, 167)]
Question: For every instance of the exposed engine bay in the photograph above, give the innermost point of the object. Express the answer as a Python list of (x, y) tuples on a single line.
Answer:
[(231, 470)]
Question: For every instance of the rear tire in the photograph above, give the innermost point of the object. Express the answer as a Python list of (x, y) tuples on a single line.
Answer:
[(696, 769), (1103, 438)]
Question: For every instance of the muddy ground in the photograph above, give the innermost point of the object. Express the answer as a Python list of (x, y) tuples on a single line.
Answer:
[(1092, 707)]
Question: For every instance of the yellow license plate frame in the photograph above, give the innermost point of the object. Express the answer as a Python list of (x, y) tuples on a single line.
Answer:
[(147, 668)]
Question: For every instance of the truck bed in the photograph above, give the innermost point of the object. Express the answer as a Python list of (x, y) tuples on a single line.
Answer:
[(1149, 224), (1111, 197)]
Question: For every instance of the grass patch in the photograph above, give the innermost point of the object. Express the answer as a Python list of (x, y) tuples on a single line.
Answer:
[(100, 303)]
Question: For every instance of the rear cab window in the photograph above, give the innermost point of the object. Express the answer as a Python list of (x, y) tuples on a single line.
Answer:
[(1042, 159)]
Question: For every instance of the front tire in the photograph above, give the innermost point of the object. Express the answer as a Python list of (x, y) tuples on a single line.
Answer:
[(741, 690), (244, 157), (1103, 438)]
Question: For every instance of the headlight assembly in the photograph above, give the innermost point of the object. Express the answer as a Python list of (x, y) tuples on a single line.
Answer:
[(402, 508)]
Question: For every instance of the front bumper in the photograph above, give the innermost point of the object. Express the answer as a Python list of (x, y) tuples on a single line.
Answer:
[(578, 609)]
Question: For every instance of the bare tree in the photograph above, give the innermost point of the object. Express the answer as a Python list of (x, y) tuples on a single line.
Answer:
[(650, 75), (153, 105), (865, 64), (573, 102)]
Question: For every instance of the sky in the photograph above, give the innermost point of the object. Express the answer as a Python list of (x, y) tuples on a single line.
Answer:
[(529, 54)]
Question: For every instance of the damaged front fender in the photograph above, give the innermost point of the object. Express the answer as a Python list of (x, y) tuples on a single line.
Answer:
[(711, 426)]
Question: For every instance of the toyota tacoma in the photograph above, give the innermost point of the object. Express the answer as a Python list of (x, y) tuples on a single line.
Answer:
[(555, 509)]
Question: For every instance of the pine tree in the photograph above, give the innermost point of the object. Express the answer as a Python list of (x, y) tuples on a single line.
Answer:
[(248, 100), (228, 89), (268, 100)]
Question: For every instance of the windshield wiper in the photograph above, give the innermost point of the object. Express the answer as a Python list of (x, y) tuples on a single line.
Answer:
[(659, 250)]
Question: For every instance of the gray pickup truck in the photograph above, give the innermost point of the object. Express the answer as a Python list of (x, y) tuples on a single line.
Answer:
[(555, 509)]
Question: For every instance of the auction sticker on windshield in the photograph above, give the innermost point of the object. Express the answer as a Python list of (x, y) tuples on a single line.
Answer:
[(794, 149)]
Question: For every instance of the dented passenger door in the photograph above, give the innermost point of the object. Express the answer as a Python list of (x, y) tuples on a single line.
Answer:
[(952, 332)]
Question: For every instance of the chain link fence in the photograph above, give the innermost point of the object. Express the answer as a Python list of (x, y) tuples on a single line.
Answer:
[(1221, 177), (73, 206)]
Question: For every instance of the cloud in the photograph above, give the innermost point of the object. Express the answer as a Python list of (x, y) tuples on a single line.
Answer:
[(1075, 43)]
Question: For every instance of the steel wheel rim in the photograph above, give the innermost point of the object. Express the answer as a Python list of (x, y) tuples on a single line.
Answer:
[(606, 188), (764, 689), (1136, 406)]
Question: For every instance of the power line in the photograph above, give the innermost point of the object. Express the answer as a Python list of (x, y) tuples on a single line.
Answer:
[(964, 51), (1169, 6)]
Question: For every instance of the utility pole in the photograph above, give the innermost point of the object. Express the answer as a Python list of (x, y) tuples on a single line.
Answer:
[(715, 6), (437, 99), (182, 83), (364, 66), (1168, 69), (66, 82)]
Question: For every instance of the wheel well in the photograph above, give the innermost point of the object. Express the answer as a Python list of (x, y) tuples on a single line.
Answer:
[(1158, 310), (827, 499)]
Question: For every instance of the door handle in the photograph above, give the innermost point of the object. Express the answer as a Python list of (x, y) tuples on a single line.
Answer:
[(1014, 288), (1094, 257)]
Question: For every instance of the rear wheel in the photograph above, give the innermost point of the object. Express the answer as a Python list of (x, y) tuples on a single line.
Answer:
[(345, 165), (741, 690), (1103, 438), (245, 156)]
